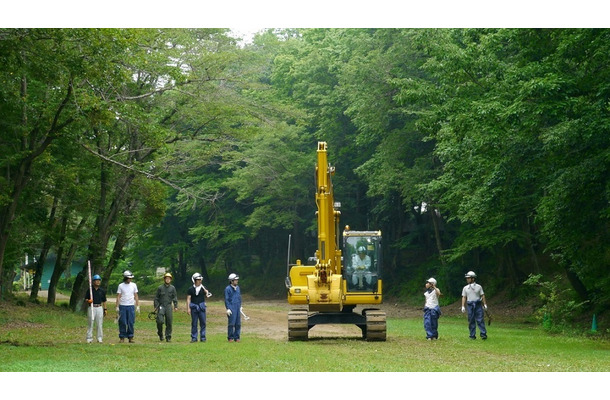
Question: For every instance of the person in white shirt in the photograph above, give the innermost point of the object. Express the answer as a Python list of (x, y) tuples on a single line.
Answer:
[(432, 310), (361, 265), (127, 304)]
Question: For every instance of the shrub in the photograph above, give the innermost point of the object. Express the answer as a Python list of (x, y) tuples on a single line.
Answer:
[(559, 306)]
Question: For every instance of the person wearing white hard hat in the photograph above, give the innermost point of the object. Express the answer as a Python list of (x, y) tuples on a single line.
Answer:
[(96, 309), (196, 308), (127, 304), (233, 306), (165, 297), (473, 298), (361, 265), (432, 310)]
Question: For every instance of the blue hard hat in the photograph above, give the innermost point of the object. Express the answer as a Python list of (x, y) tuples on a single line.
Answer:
[(97, 278)]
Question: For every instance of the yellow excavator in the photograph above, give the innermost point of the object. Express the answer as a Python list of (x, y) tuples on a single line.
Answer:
[(329, 291)]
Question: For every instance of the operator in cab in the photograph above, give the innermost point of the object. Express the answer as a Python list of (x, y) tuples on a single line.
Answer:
[(361, 265)]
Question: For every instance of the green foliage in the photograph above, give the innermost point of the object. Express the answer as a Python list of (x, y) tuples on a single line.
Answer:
[(560, 308)]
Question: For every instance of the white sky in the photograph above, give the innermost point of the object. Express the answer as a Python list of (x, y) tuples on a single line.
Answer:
[(254, 15)]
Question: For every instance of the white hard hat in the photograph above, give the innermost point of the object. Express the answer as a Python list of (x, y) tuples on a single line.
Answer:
[(432, 281), (361, 249), (196, 276), (233, 276), (127, 274), (470, 274)]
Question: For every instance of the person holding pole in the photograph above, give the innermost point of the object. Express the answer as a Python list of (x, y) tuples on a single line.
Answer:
[(164, 299), (233, 306), (96, 300), (127, 304)]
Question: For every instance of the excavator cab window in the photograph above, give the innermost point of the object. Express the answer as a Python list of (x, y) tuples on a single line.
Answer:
[(361, 263)]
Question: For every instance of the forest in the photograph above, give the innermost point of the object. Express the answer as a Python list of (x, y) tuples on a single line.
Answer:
[(186, 149)]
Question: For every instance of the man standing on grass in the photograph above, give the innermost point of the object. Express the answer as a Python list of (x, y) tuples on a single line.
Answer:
[(233, 306), (164, 299), (96, 309), (127, 304), (196, 308), (474, 298)]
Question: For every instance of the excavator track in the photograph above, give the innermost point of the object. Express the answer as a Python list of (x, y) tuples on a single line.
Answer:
[(375, 326), (298, 328)]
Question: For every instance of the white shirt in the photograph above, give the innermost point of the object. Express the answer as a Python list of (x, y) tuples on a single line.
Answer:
[(128, 292), (431, 299), (359, 263)]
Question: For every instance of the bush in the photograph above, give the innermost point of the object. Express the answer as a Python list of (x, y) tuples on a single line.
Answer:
[(559, 306)]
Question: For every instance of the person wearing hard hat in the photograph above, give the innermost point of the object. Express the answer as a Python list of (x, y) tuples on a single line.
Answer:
[(127, 304), (432, 310), (96, 309), (196, 308), (233, 306), (361, 265), (474, 298), (164, 299)]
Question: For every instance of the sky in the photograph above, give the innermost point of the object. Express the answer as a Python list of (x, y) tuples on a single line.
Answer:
[(253, 15)]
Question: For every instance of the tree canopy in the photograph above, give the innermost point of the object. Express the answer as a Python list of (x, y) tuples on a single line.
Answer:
[(482, 149)]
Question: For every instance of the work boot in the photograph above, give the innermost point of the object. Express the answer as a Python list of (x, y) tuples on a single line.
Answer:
[(168, 339), (122, 340), (131, 340)]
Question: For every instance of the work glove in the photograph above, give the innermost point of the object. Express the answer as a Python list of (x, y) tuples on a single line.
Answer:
[(485, 306), (463, 309), (138, 309), (89, 301), (105, 312), (229, 312), (209, 294), (117, 309)]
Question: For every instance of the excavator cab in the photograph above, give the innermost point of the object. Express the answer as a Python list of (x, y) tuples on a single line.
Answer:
[(362, 260)]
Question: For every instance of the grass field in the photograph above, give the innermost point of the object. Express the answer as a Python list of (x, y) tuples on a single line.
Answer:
[(39, 338)]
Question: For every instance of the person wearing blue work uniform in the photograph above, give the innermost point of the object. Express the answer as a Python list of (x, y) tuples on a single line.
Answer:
[(432, 311), (127, 304), (196, 308), (233, 306), (474, 297)]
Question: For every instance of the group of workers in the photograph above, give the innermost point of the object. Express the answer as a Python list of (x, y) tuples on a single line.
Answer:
[(473, 301), (165, 303)]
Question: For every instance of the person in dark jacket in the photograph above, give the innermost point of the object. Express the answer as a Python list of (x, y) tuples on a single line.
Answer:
[(196, 308), (97, 307), (164, 299), (233, 306)]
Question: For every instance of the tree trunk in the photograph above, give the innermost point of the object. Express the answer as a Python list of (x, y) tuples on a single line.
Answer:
[(45, 250), (62, 265), (117, 253), (579, 287), (437, 234), (57, 269)]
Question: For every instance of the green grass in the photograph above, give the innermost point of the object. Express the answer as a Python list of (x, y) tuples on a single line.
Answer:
[(51, 339)]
